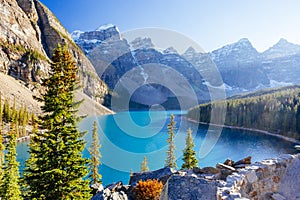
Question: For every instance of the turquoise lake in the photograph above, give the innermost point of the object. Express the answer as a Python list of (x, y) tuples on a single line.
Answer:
[(129, 136)]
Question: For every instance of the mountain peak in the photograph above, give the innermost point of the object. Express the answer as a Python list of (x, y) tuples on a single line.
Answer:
[(142, 43), (76, 34), (282, 41), (281, 49), (243, 43), (107, 26), (244, 40), (170, 50), (240, 51), (190, 50)]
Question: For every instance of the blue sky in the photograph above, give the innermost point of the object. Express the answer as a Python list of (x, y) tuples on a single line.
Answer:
[(211, 24)]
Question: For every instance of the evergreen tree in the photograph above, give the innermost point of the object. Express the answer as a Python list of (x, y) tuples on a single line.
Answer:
[(34, 124), (56, 168), (14, 112), (189, 154), (171, 159), (10, 190), (6, 111), (1, 109), (144, 165), (96, 156), (2, 148)]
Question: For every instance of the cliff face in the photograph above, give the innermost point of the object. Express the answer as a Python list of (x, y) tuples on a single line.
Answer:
[(28, 34)]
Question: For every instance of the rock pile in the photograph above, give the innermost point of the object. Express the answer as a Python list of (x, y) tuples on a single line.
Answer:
[(115, 191), (276, 179), (184, 184)]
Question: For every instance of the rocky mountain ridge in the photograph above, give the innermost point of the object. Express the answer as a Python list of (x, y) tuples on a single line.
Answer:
[(241, 66), (28, 34)]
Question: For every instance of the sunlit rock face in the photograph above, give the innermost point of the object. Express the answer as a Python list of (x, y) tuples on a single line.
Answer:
[(28, 34)]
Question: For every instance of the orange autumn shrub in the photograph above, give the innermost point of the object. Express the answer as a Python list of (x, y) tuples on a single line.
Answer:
[(148, 190)]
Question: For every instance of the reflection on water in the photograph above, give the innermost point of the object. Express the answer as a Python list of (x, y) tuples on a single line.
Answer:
[(125, 144)]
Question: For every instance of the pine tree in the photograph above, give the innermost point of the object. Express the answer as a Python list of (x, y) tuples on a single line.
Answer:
[(96, 156), (10, 190), (2, 148), (14, 112), (34, 124), (56, 168), (171, 159), (189, 154), (1, 109), (6, 111), (144, 165)]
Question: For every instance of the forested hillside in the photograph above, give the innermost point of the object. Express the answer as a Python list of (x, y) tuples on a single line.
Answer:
[(276, 111)]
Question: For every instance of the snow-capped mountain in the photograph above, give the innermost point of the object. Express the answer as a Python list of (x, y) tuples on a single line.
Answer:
[(281, 62), (241, 66), (91, 39), (142, 43), (282, 48), (239, 52)]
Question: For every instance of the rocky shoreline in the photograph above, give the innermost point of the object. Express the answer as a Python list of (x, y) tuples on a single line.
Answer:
[(276, 179)]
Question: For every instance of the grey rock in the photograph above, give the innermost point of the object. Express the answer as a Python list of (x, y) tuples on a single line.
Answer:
[(240, 166), (161, 174), (114, 186), (229, 162), (188, 187), (97, 187), (277, 196), (290, 180), (197, 170), (223, 166), (245, 161), (210, 170)]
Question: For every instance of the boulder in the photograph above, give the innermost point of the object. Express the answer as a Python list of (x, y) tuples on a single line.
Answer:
[(97, 187), (188, 187), (115, 191), (112, 187), (225, 170), (223, 166), (161, 174), (210, 170), (229, 162), (197, 170), (277, 196), (245, 161)]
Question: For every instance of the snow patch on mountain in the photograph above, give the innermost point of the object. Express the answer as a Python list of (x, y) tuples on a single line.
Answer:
[(241, 50), (282, 48), (142, 43), (105, 27), (274, 83), (224, 86), (76, 34)]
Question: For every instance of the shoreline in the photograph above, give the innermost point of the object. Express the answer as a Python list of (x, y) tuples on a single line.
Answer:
[(23, 139), (293, 140)]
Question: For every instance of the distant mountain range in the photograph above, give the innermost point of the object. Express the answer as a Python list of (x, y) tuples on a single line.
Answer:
[(241, 66)]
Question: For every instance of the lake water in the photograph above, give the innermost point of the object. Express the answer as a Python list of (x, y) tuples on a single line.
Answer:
[(129, 136)]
